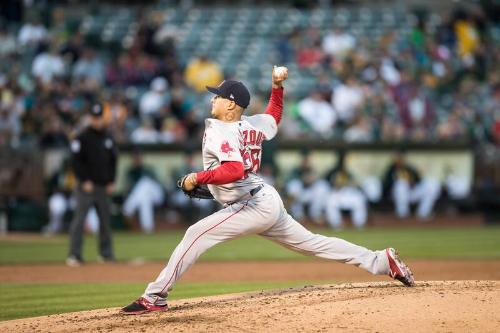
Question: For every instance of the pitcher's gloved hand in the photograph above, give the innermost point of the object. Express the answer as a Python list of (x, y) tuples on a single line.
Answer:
[(192, 189)]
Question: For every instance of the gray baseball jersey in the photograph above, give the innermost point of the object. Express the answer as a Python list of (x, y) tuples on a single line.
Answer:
[(251, 212), (241, 142)]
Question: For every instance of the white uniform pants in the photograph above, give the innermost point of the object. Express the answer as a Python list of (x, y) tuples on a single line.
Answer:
[(346, 198), (458, 187), (424, 193), (58, 205), (145, 195), (263, 214), (313, 196), (372, 187)]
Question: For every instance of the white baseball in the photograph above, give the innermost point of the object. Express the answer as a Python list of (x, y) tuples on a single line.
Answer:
[(280, 71)]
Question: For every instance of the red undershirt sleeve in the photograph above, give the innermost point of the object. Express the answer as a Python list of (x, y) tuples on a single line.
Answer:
[(227, 172), (275, 106)]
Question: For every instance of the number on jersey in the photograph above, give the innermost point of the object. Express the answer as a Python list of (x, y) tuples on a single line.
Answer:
[(251, 150)]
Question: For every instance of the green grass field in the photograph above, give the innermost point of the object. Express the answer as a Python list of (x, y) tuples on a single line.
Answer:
[(26, 300), (416, 243), (30, 300)]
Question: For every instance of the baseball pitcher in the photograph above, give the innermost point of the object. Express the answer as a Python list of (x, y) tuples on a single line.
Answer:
[(232, 148)]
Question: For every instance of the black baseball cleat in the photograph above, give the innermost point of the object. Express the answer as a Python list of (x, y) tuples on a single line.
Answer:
[(141, 306), (399, 270)]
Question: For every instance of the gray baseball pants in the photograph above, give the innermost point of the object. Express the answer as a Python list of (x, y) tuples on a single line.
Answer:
[(263, 214), (84, 201)]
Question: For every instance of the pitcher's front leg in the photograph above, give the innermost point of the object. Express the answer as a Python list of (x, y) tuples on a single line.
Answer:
[(223, 225)]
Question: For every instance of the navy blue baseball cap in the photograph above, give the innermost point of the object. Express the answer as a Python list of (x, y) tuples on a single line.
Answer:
[(234, 91)]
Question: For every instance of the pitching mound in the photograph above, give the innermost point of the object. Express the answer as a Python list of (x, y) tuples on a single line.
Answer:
[(454, 306)]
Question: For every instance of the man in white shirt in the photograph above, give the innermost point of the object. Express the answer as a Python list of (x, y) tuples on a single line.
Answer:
[(318, 114), (338, 43), (48, 65), (155, 99), (346, 99), (32, 33)]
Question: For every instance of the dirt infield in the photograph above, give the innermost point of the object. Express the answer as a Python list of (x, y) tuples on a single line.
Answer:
[(453, 306), (313, 270), (379, 305)]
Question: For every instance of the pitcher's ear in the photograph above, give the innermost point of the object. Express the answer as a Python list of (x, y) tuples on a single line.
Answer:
[(232, 105)]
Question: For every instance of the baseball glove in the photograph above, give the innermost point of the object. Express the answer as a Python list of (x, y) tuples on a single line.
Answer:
[(199, 192)]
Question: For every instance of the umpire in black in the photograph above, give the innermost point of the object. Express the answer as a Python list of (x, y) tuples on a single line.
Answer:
[(94, 160)]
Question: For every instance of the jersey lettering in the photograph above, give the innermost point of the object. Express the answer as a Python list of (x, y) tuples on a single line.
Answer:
[(253, 137), (251, 150)]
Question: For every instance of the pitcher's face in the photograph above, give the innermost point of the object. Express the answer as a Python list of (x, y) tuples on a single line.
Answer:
[(219, 107)]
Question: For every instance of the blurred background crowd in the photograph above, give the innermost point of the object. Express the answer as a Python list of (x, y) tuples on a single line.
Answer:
[(358, 74), (368, 73)]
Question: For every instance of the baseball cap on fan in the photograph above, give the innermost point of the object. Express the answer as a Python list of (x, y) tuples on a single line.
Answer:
[(234, 91)]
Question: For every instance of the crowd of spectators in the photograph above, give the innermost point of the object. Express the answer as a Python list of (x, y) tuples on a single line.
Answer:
[(426, 85), (419, 86), (49, 79)]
